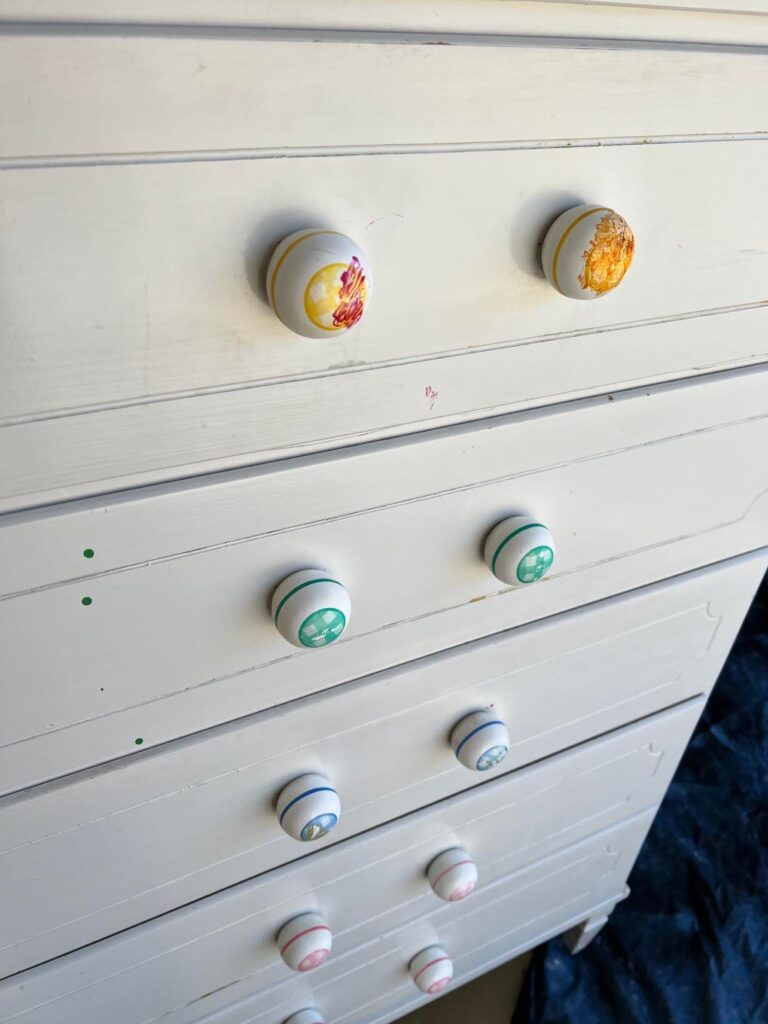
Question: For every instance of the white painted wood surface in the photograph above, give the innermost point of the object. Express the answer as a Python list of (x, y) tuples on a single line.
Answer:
[(500, 943), (94, 97), (210, 802), (119, 290), (369, 887), (115, 447), (708, 21), (183, 639)]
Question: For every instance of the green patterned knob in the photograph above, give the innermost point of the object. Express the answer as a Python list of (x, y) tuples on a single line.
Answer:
[(519, 551), (311, 609)]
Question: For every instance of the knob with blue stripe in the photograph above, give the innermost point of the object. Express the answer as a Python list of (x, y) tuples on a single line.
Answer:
[(519, 550), (587, 251), (311, 609), (308, 1016), (480, 741), (308, 808)]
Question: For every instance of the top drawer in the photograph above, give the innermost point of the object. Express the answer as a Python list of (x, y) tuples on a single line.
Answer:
[(134, 249)]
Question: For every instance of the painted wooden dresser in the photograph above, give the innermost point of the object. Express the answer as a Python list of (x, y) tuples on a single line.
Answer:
[(340, 668)]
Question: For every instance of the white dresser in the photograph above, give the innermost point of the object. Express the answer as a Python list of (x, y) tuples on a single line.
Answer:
[(351, 636)]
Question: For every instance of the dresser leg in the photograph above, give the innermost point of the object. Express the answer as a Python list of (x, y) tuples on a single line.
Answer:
[(580, 936)]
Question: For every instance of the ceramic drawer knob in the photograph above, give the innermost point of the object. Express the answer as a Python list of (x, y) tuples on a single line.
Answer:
[(308, 808), (480, 741), (519, 551), (305, 942), (452, 875), (587, 251), (431, 970), (311, 609), (319, 283), (311, 1016)]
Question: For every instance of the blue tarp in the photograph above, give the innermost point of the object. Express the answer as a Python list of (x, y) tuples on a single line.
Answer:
[(690, 945)]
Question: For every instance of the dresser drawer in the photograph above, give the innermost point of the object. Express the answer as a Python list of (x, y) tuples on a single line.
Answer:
[(383, 743), (166, 308), (374, 983), (166, 629), (166, 970), (371, 884)]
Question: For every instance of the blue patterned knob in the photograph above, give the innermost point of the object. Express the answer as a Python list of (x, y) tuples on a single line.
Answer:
[(308, 808), (480, 741)]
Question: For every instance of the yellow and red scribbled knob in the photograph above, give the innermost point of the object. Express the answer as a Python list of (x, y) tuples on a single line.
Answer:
[(587, 251), (319, 283)]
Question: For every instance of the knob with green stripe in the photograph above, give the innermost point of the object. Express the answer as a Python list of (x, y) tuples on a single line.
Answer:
[(519, 551), (311, 608)]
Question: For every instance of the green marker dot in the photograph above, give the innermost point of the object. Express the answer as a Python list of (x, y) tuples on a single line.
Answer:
[(138, 741), (88, 553), (86, 601)]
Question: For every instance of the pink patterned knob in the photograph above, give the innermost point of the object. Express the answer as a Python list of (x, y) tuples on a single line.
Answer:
[(452, 875), (305, 942), (431, 970)]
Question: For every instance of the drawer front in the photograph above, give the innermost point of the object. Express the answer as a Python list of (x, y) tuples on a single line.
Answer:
[(59, 895), (137, 978), (180, 638), (178, 346), (243, 93), (209, 802)]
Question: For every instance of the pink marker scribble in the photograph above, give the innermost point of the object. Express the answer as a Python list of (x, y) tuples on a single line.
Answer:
[(431, 395), (351, 296)]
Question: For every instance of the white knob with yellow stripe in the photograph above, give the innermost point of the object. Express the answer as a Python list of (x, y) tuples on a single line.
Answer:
[(319, 283), (587, 251), (519, 551), (311, 609)]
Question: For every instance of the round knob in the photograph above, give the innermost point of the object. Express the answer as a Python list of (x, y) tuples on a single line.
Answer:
[(431, 970), (480, 741), (305, 942), (308, 808), (311, 609), (318, 283), (587, 251), (309, 1016), (452, 875), (519, 550)]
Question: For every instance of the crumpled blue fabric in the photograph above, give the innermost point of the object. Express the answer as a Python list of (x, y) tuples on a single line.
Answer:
[(690, 945)]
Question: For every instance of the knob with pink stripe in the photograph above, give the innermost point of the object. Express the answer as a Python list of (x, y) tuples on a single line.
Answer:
[(309, 1016), (431, 970), (305, 942), (452, 875)]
